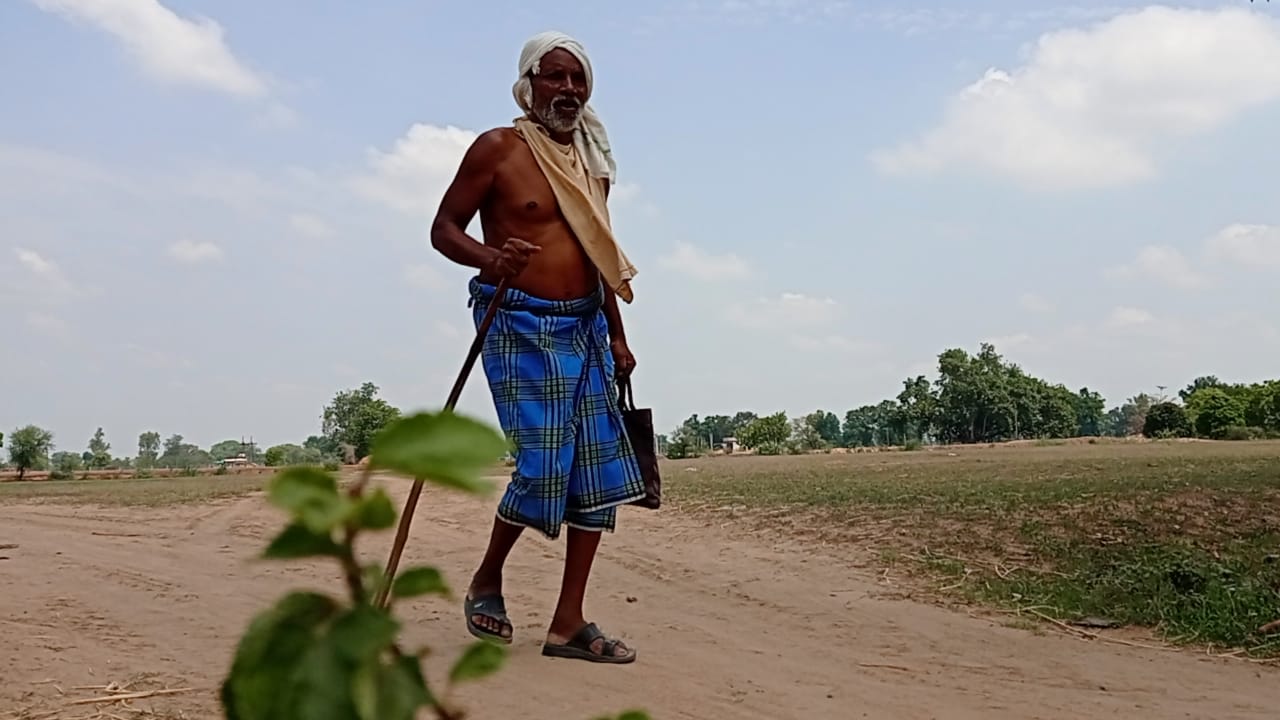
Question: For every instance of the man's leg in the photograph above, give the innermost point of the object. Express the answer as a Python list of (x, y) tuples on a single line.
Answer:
[(580, 552), (525, 377), (487, 581)]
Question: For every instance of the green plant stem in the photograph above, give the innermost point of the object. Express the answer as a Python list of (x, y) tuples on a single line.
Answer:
[(350, 568)]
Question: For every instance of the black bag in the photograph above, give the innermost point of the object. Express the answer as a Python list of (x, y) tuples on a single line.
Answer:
[(639, 426)]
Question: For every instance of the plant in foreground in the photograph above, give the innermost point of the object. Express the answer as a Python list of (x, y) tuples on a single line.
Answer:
[(313, 656)]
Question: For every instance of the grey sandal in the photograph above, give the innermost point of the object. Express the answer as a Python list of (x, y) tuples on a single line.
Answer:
[(492, 607), (579, 648)]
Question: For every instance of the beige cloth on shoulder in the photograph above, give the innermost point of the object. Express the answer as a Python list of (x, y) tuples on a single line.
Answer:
[(582, 202)]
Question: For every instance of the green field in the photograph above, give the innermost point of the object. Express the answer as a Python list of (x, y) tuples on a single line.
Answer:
[(1183, 537)]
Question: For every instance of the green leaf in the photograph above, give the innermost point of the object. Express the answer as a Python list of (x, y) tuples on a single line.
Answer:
[(391, 692), (320, 687), (446, 448), (299, 541), (479, 660), (363, 632), (419, 581), (268, 654), (311, 496), (634, 715), (374, 512), (372, 577)]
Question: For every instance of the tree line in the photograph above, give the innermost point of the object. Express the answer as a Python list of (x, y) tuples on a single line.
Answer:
[(348, 425), (983, 398)]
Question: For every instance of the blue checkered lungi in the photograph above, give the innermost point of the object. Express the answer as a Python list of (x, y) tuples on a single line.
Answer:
[(551, 374)]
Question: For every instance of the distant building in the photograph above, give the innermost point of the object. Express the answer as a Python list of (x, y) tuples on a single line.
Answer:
[(729, 445)]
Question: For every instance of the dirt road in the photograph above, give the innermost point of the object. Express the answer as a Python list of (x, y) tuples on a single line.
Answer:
[(726, 627)]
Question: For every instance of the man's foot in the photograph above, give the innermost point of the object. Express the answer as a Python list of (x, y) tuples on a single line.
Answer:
[(487, 617), (589, 644)]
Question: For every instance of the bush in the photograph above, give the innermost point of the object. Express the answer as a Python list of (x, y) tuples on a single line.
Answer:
[(1239, 432), (912, 445), (1166, 420), (770, 448), (332, 465)]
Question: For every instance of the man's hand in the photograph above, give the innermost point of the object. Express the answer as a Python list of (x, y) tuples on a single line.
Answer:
[(512, 258), (623, 361)]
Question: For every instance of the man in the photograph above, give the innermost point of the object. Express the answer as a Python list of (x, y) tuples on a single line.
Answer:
[(557, 341)]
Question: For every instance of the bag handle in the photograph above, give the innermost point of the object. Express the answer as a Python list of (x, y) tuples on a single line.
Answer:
[(626, 398)]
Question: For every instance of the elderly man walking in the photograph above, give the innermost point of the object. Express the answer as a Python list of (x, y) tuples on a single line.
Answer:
[(557, 341)]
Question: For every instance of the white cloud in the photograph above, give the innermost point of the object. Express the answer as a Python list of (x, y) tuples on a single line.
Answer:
[(702, 265), (49, 275), (787, 311), (1128, 317), (169, 47), (310, 226), (34, 262), (1032, 302), (1164, 264), (1089, 107), (191, 252), (414, 174), (1255, 246)]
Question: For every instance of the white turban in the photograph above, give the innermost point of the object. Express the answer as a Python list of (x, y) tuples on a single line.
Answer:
[(589, 137)]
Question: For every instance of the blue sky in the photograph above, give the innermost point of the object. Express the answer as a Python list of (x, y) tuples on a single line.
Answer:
[(213, 216)]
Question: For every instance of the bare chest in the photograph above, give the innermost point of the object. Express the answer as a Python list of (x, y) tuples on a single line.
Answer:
[(522, 193)]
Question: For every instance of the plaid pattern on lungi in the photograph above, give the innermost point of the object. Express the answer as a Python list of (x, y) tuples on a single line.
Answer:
[(551, 374)]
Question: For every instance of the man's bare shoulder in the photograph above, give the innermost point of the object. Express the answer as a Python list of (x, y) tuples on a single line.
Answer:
[(493, 146)]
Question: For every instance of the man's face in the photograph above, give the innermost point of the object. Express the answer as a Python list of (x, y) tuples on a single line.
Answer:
[(559, 91)]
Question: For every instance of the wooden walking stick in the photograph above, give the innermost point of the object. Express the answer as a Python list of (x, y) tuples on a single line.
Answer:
[(406, 517)]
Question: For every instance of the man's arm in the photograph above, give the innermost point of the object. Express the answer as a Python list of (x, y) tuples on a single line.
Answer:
[(462, 201), (612, 314)]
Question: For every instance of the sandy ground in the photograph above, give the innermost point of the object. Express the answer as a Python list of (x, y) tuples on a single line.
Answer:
[(726, 626)]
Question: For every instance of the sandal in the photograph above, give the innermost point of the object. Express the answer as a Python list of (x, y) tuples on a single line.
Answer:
[(579, 648), (492, 607)]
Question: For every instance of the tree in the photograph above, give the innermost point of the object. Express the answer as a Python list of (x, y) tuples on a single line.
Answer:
[(355, 417), (324, 445), (1201, 383), (918, 405), (148, 449), (804, 433), (768, 434), (859, 428), (1214, 410), (290, 454), (183, 455), (1166, 419), (29, 449), (63, 465), (226, 449), (1091, 413), (99, 455), (740, 421), (825, 426)]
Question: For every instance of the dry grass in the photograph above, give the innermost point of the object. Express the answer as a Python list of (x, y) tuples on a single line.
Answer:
[(1182, 537), (151, 492)]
